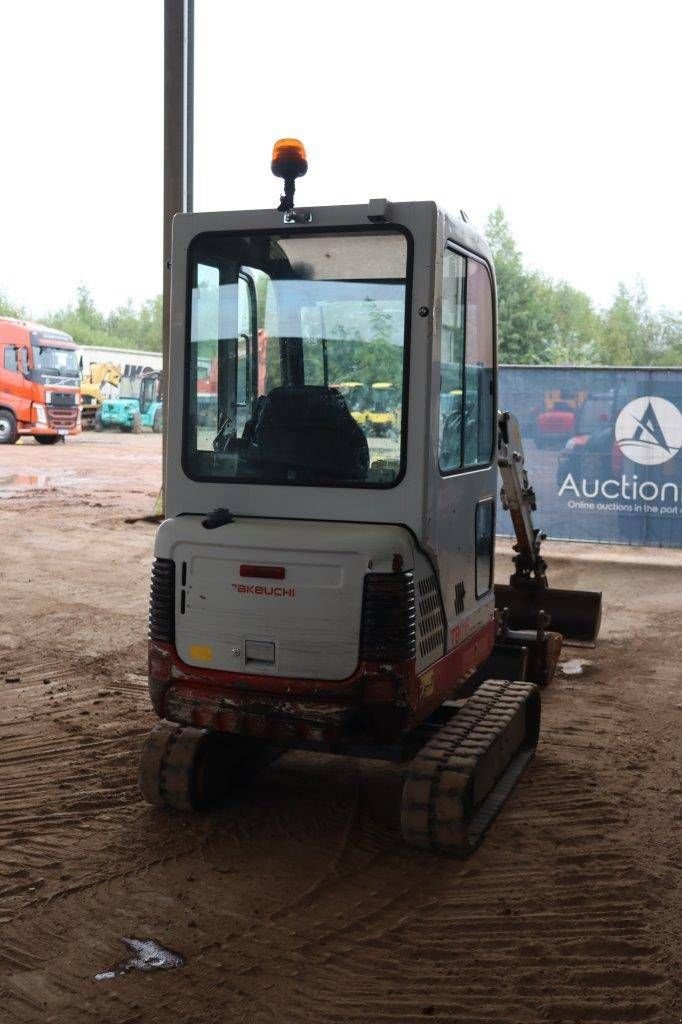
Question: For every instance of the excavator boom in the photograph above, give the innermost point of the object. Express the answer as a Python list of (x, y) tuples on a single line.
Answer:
[(527, 600)]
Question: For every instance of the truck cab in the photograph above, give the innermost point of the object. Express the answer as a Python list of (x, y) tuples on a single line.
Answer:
[(39, 383)]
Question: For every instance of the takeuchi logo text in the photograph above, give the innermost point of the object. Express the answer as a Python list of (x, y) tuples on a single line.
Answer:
[(262, 590)]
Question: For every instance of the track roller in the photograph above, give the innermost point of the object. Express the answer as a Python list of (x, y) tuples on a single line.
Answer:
[(461, 778), (190, 769)]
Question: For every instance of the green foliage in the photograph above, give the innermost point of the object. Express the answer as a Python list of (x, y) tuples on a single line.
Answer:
[(125, 327), (633, 335), (8, 308), (351, 359), (669, 339), (574, 325), (543, 321), (524, 322), (625, 329), (539, 321)]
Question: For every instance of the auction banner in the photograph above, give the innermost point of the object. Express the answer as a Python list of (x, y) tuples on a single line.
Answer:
[(602, 451)]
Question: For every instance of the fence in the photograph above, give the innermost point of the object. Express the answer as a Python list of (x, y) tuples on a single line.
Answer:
[(602, 450)]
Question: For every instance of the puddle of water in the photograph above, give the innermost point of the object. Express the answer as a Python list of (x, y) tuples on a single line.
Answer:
[(147, 955), (20, 480), (574, 667), (17, 483)]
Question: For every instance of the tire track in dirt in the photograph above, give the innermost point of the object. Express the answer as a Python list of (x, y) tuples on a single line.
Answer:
[(58, 775), (296, 901), (382, 934)]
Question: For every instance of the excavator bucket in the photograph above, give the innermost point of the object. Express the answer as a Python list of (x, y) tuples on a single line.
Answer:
[(576, 614)]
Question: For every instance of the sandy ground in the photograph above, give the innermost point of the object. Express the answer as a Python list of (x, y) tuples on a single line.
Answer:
[(296, 901)]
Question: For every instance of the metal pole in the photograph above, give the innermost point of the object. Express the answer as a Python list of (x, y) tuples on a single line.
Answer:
[(178, 149), (188, 107)]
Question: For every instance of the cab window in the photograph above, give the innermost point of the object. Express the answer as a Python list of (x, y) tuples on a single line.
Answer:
[(297, 358), (10, 361), (484, 529), (466, 366), (452, 362)]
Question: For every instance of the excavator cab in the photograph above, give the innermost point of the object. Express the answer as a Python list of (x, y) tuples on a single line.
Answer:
[(316, 586)]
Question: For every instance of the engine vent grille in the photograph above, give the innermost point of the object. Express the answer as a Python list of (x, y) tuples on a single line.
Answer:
[(459, 597), (162, 601), (430, 621), (388, 617), (64, 418)]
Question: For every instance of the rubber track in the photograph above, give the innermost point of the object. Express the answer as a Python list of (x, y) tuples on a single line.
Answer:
[(188, 768), (167, 766), (441, 809)]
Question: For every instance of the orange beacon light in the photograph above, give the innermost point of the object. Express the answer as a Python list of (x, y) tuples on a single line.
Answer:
[(289, 162), (289, 159)]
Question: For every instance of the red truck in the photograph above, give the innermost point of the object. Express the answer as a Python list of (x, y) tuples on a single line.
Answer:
[(39, 383)]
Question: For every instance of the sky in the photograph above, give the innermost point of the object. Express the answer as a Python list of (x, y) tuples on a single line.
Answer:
[(567, 114)]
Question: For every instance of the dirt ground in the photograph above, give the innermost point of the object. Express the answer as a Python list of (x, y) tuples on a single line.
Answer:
[(296, 901)]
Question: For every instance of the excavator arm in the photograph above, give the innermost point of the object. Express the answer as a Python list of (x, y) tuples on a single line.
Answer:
[(528, 602), (518, 498)]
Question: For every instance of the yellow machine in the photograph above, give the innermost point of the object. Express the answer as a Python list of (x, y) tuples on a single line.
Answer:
[(384, 412), (95, 387), (376, 409), (355, 395), (567, 400)]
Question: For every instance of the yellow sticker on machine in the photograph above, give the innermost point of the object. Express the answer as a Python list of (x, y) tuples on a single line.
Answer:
[(201, 652), (426, 684)]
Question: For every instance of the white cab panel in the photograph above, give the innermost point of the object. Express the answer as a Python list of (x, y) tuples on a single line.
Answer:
[(306, 625)]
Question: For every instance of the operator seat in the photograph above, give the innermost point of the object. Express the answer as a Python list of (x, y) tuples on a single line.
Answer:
[(304, 434)]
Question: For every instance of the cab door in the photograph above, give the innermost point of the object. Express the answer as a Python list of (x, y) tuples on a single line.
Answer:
[(15, 389), (463, 476)]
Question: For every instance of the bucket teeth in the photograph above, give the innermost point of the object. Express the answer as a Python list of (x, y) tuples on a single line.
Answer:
[(461, 778)]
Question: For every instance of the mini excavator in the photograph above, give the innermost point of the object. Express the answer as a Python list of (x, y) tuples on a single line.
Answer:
[(316, 586)]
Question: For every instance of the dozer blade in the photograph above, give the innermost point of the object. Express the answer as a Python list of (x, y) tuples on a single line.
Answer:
[(576, 614), (461, 778), (526, 655)]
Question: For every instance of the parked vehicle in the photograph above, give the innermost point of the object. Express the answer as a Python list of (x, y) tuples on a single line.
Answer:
[(556, 421), (591, 449), (384, 412), (344, 601), (39, 383), (101, 382), (375, 408), (138, 406)]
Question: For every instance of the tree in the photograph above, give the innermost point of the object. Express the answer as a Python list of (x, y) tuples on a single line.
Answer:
[(543, 321), (668, 339), (524, 320), (8, 308), (124, 327), (539, 321), (575, 325)]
